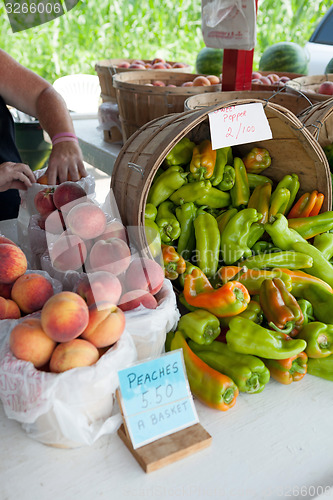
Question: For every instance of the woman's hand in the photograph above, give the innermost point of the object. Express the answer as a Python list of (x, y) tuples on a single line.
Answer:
[(65, 162), (15, 176)]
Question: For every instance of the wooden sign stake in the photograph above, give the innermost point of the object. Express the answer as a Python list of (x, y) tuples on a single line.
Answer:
[(167, 449)]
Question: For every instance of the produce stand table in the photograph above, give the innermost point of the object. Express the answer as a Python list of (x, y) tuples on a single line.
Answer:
[(95, 150), (276, 444)]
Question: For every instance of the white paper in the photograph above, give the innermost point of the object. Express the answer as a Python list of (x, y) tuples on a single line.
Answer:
[(239, 124)]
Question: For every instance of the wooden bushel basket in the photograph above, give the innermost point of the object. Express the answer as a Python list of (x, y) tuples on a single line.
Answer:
[(108, 67), (308, 85), (295, 103), (293, 150), (140, 103), (318, 119)]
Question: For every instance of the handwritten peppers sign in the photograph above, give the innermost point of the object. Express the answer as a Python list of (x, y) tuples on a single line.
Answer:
[(25, 14)]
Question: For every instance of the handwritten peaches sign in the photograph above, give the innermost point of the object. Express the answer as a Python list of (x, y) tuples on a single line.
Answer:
[(238, 125)]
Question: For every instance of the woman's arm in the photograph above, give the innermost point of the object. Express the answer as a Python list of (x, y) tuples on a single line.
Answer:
[(30, 93)]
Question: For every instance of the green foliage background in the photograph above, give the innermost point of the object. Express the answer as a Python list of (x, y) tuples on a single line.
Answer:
[(100, 29)]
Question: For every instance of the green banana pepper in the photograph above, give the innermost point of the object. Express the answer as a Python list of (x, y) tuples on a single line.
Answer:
[(255, 233), (224, 218), (240, 192), (291, 260), (252, 312), (228, 179), (245, 336), (167, 222), (234, 238), (290, 182), (278, 202), (289, 239), (255, 180), (320, 298), (324, 243), (207, 236), (186, 214), (262, 246), (181, 153), (168, 182), (150, 211), (221, 161), (319, 339), (307, 311), (191, 192), (200, 325), (308, 227), (214, 198), (321, 367), (248, 372), (153, 237)]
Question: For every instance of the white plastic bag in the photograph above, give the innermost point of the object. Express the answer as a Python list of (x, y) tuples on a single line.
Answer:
[(229, 24), (70, 409)]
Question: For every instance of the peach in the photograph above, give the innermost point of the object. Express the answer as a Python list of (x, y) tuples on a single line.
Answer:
[(13, 263), (6, 290), (124, 64), (273, 77), (158, 60), (201, 81), (31, 291), (284, 79), (112, 255), (64, 316), (114, 229), (178, 65), (138, 61), (54, 223), (325, 88), (214, 80), (105, 326), (256, 75), (158, 83), (158, 65), (136, 66), (43, 201), (167, 65), (144, 274), (66, 193), (29, 342), (99, 287), (73, 354), (3, 239), (131, 300), (265, 81), (86, 220), (187, 84), (9, 309), (68, 252)]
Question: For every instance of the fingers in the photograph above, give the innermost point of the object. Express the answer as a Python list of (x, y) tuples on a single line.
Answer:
[(65, 163), (15, 176)]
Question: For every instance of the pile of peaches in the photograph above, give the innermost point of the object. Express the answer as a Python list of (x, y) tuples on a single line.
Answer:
[(271, 79), (156, 63), (198, 81), (75, 327)]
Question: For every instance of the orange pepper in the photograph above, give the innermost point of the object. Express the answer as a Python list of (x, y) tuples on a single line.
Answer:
[(288, 370), (203, 160), (174, 264), (228, 300), (308, 204)]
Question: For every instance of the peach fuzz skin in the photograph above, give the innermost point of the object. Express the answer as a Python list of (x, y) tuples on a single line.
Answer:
[(73, 354), (99, 287), (31, 291), (64, 316), (134, 298), (9, 309), (13, 263), (29, 342), (86, 220), (144, 274), (105, 326)]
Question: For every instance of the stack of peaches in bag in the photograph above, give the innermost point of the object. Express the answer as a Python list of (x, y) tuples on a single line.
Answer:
[(76, 327)]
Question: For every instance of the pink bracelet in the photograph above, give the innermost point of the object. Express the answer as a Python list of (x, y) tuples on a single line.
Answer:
[(65, 139), (63, 134)]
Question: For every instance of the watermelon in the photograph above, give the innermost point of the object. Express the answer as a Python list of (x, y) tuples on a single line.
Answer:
[(209, 61), (329, 67), (286, 57)]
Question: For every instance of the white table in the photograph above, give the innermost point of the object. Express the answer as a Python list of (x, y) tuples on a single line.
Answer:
[(95, 150), (273, 445)]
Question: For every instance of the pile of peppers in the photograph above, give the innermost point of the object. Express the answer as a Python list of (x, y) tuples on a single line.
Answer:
[(252, 264)]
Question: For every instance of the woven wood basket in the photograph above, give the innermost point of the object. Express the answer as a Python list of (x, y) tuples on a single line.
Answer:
[(140, 103), (318, 119), (295, 103), (108, 67), (308, 85), (293, 149)]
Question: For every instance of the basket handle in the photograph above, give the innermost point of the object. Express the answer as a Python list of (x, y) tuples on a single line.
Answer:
[(136, 167)]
